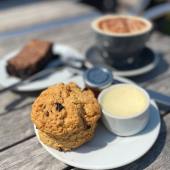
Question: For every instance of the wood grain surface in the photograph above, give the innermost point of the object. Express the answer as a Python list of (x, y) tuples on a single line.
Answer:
[(39, 12), (18, 145), (29, 155)]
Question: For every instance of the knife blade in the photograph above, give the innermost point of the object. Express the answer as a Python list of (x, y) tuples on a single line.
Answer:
[(34, 77), (73, 63)]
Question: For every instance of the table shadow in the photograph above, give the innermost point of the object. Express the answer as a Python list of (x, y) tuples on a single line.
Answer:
[(19, 103)]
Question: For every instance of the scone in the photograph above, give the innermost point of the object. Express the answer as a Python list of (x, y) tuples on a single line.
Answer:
[(65, 116)]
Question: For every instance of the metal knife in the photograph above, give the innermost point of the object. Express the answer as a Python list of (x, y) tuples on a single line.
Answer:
[(76, 64), (161, 99)]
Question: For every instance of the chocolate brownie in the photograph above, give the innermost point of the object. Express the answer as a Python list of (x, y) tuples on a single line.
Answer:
[(31, 59)]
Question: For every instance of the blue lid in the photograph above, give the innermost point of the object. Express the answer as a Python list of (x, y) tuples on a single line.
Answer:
[(98, 77)]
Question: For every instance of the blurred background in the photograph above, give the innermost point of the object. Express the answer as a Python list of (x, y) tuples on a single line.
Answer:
[(25, 13)]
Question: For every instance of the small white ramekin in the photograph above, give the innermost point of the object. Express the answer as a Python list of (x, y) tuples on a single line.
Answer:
[(125, 126)]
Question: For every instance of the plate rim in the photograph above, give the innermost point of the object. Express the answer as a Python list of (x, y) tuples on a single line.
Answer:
[(135, 72), (106, 167), (12, 53)]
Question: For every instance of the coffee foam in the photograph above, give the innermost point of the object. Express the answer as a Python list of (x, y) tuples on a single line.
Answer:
[(147, 25)]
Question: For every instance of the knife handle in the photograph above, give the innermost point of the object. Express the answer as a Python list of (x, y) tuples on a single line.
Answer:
[(161, 99)]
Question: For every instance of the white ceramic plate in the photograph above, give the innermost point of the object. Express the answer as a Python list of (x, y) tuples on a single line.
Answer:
[(106, 151), (63, 75)]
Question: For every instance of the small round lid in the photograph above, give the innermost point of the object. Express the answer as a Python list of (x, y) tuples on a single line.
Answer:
[(98, 77)]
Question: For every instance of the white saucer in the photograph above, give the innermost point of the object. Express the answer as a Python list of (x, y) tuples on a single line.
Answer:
[(94, 57), (63, 75), (106, 151)]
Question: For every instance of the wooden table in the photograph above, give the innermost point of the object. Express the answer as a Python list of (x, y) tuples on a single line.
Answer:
[(69, 23)]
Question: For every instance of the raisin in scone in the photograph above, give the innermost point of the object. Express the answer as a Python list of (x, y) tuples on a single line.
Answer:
[(65, 116)]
